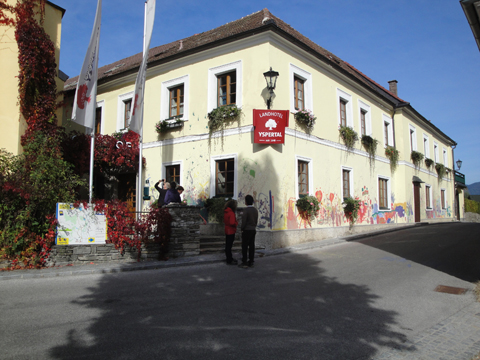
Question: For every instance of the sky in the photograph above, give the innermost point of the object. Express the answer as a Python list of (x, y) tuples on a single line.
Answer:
[(427, 46)]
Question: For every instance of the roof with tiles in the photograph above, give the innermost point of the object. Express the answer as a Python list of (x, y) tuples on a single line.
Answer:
[(262, 20)]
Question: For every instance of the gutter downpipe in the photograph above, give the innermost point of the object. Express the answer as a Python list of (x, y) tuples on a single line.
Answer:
[(457, 216)]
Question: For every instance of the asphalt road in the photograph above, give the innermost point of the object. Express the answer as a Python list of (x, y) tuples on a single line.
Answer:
[(349, 301)]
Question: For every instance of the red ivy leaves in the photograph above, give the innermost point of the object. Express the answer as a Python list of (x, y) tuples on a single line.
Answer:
[(124, 230)]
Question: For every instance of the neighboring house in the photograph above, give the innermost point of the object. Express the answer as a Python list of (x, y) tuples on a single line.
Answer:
[(191, 77), (471, 8), (12, 122)]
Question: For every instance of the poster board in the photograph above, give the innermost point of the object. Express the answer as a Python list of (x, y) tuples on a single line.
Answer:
[(80, 226)]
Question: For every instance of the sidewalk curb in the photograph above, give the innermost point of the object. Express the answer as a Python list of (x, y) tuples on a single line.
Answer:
[(99, 268)]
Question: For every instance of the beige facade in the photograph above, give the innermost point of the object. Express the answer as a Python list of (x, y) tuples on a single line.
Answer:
[(12, 122), (270, 172)]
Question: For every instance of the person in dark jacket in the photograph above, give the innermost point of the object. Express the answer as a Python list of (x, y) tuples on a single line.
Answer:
[(249, 226), (172, 195), (162, 190), (231, 223)]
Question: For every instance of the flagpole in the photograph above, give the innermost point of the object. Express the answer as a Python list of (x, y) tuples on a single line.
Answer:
[(140, 138), (92, 151)]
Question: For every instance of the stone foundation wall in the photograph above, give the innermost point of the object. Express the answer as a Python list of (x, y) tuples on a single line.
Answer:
[(184, 241)]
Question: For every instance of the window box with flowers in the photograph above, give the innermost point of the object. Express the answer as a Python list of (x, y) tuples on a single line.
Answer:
[(393, 155), (306, 120), (164, 125), (308, 208), (220, 118), (349, 136)]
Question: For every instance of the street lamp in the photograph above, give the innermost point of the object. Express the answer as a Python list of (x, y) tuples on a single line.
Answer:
[(271, 79), (459, 164)]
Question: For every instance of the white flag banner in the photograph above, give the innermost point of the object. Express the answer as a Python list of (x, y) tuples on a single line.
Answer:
[(84, 104), (136, 117)]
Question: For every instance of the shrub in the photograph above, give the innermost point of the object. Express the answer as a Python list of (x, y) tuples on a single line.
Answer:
[(215, 207)]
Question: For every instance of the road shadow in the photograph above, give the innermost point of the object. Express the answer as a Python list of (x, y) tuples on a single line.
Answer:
[(283, 308), (452, 248)]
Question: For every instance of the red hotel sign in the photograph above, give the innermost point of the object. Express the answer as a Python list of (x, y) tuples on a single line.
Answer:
[(270, 126)]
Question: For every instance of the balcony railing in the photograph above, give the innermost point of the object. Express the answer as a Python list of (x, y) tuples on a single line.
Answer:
[(459, 177)]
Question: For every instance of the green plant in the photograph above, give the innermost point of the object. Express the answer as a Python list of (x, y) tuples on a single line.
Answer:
[(308, 207), (306, 119), (472, 206), (220, 118), (441, 171), (393, 155), (350, 209), (215, 207), (370, 145), (428, 163), (417, 158), (163, 125), (349, 136)]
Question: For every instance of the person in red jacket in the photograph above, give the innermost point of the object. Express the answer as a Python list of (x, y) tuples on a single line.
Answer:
[(231, 223)]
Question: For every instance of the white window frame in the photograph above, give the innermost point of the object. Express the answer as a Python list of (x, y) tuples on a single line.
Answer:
[(295, 71), (429, 206), (445, 157), (368, 117), (342, 95), (121, 109), (100, 104), (212, 83), (213, 161), (413, 140), (164, 169), (387, 119), (165, 97), (389, 192), (436, 152), (310, 174), (350, 170), (426, 145), (443, 206)]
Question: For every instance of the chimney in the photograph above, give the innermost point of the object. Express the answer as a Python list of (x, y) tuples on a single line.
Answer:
[(393, 87)]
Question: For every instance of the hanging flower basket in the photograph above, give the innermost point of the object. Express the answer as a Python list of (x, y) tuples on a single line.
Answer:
[(441, 170), (370, 145), (417, 158), (164, 125), (308, 208), (349, 136), (428, 163), (392, 154), (306, 120), (350, 209), (219, 118)]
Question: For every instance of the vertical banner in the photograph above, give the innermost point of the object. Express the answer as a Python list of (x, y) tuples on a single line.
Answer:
[(270, 126), (84, 104), (136, 117)]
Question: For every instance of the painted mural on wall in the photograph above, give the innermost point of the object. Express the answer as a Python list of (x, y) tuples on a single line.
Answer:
[(277, 212)]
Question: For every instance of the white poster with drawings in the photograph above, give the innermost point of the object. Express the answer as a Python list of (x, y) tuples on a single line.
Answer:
[(79, 226)]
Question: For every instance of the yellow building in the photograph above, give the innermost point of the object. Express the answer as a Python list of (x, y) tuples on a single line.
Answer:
[(12, 122), (189, 78)]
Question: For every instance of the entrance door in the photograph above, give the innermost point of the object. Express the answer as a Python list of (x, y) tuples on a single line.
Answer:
[(127, 191), (457, 205), (416, 200)]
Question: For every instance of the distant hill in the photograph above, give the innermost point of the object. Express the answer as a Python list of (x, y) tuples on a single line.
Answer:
[(474, 189)]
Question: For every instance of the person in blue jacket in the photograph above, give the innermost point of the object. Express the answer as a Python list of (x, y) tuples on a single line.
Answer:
[(172, 195)]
